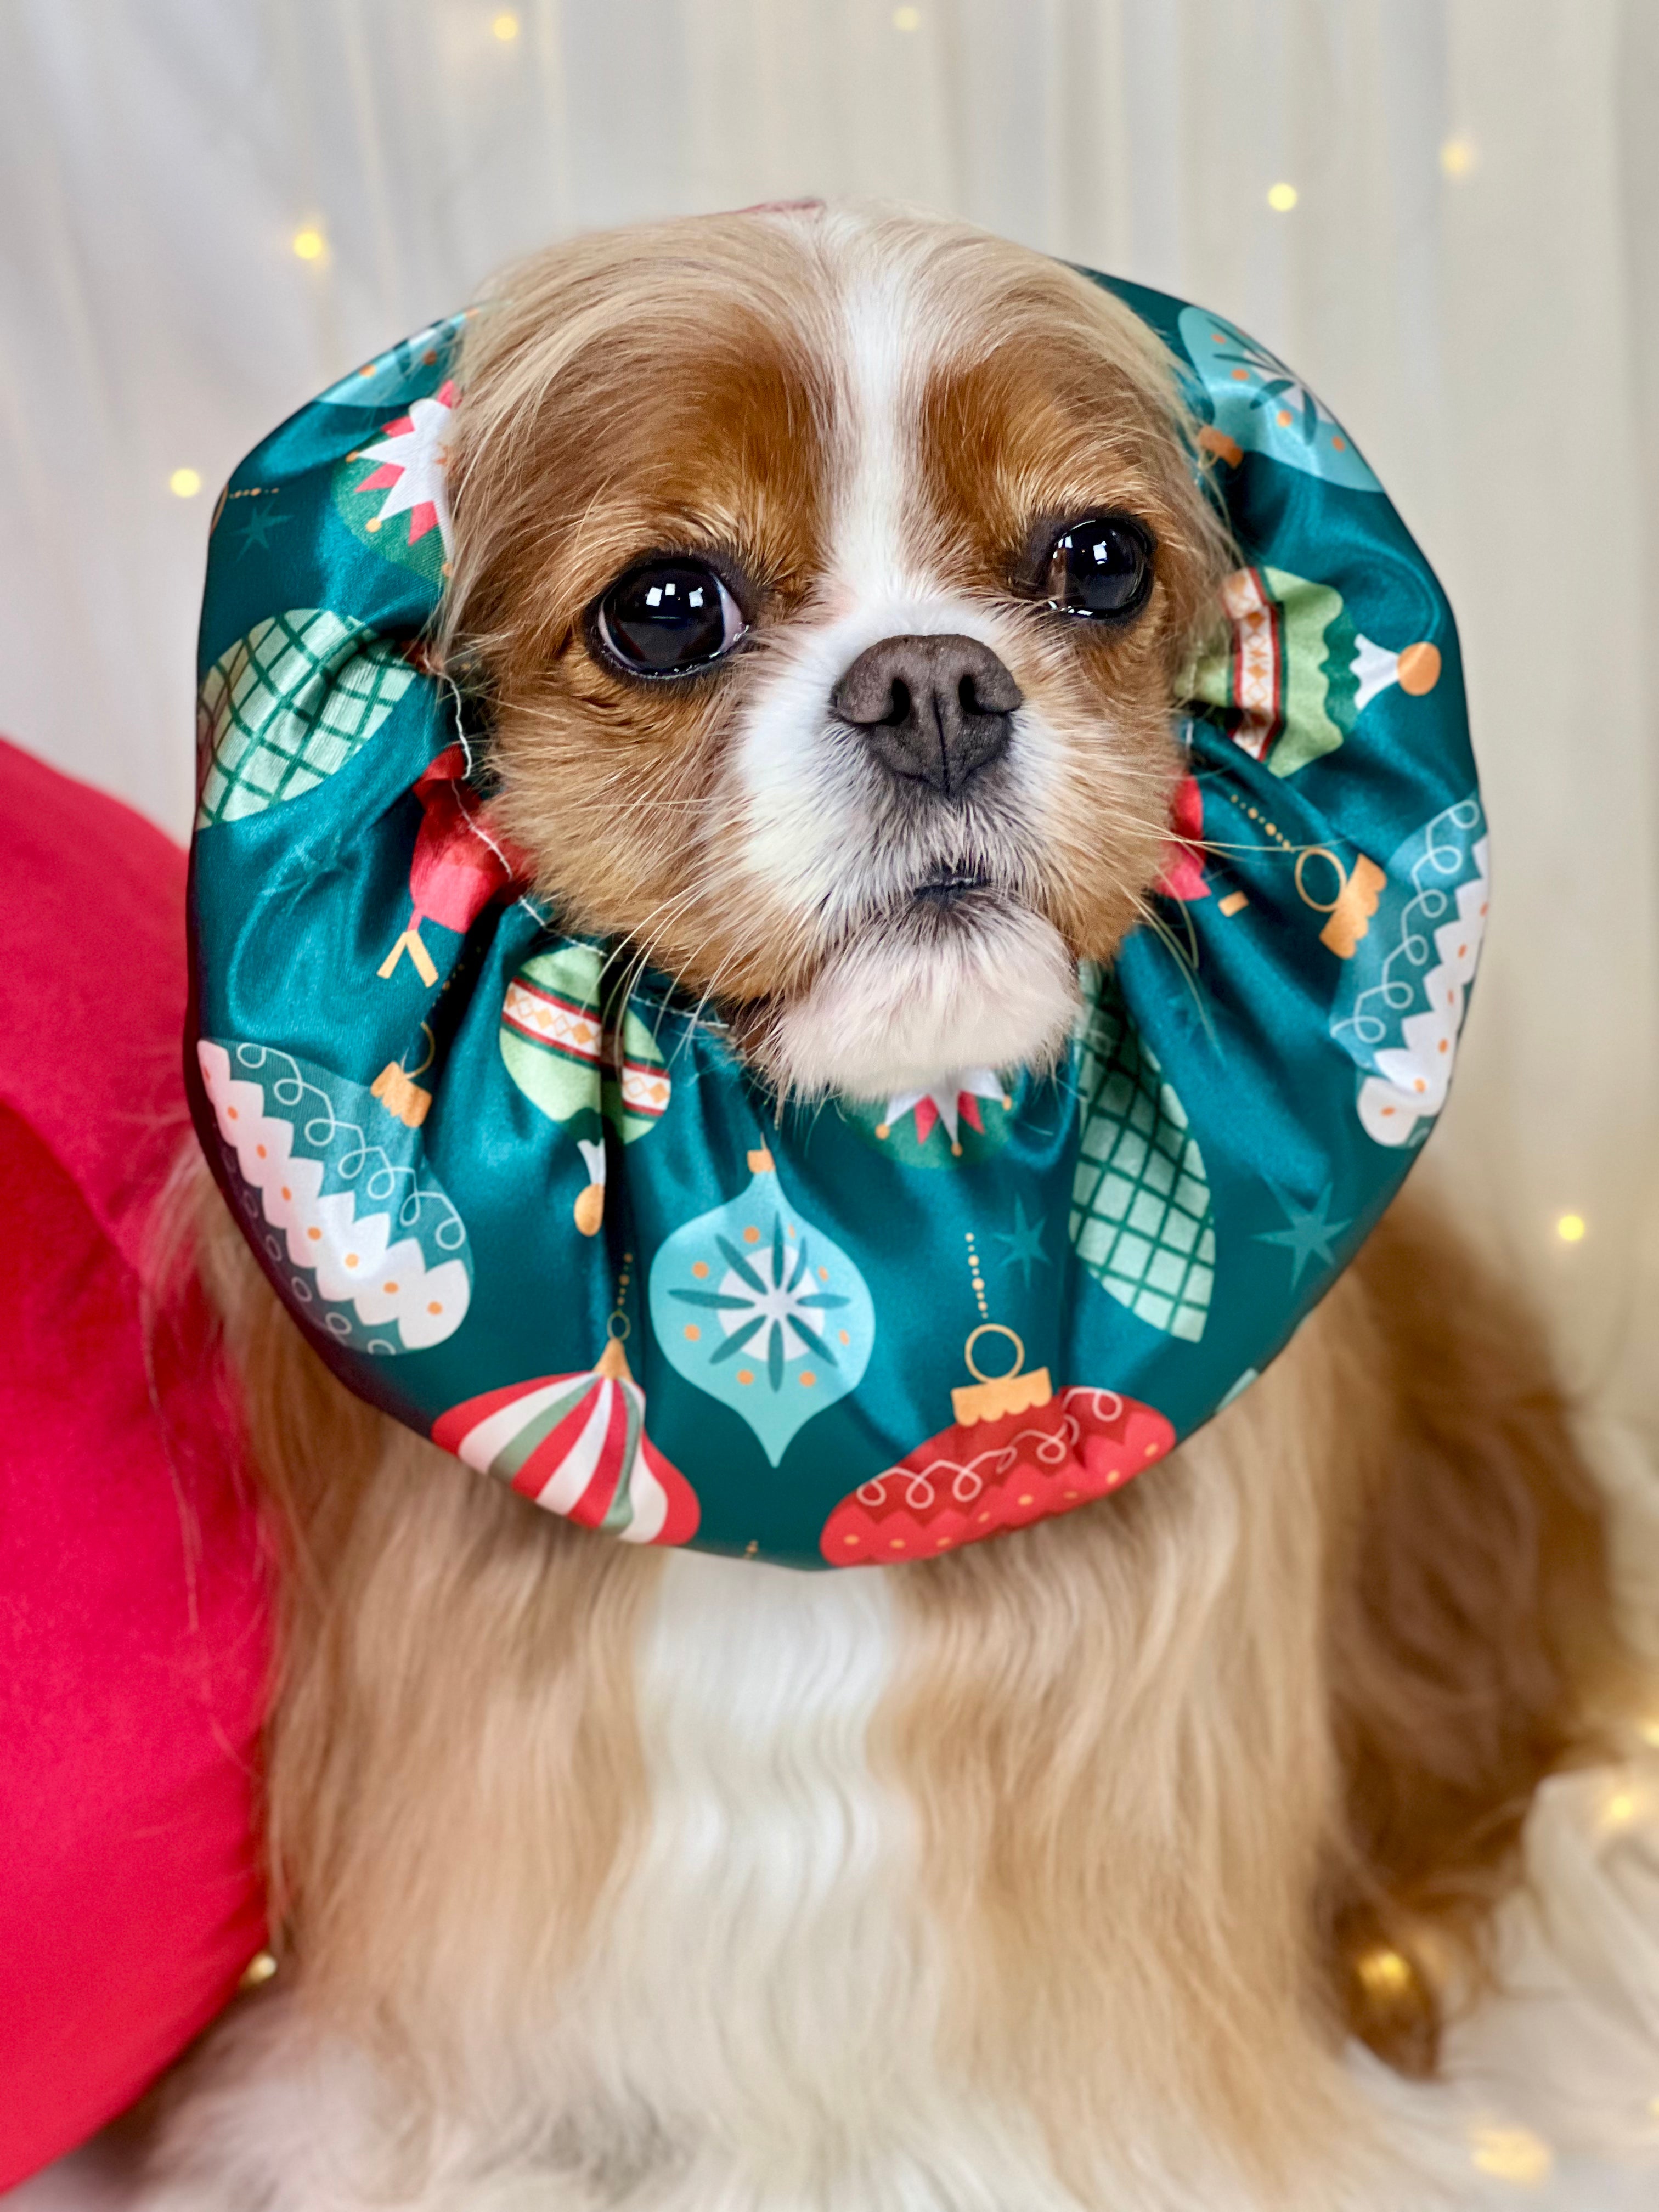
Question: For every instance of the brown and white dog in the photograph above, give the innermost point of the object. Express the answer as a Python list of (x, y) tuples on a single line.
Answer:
[(1054, 1872)]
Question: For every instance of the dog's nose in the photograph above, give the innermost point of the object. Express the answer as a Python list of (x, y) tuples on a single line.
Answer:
[(931, 707)]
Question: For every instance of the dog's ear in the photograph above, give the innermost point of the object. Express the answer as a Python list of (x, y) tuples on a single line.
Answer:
[(1471, 1638), (451, 1663)]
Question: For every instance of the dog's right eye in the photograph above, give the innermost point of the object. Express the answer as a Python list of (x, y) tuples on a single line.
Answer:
[(1100, 569), (671, 616)]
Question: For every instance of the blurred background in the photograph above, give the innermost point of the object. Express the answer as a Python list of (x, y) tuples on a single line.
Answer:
[(1444, 213)]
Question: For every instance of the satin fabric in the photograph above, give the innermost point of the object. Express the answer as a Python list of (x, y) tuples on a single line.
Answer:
[(570, 1236)]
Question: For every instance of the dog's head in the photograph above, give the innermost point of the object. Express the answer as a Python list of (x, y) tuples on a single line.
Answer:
[(828, 575)]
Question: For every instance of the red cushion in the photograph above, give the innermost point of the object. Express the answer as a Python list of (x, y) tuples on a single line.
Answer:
[(134, 1637)]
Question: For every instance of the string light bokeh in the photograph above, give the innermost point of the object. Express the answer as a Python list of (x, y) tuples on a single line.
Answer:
[(1448, 271)]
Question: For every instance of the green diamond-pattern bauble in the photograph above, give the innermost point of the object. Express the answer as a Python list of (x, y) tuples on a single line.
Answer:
[(288, 706), (1140, 1199)]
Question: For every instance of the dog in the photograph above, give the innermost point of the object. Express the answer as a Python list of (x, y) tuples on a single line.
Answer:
[(1053, 1873)]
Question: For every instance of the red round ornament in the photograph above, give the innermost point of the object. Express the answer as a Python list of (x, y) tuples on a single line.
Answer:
[(1018, 1451)]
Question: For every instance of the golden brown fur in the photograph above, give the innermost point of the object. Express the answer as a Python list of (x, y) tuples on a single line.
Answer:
[(1402, 1624), (1474, 1648), (452, 1738), (1061, 416), (1283, 1700), (574, 452)]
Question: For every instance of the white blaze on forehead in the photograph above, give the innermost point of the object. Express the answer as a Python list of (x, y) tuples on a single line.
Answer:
[(888, 351), (806, 787), (820, 826)]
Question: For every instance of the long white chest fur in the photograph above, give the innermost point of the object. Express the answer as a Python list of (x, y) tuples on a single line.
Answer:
[(779, 1865)]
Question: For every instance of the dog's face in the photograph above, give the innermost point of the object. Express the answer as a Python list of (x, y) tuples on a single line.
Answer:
[(828, 577)]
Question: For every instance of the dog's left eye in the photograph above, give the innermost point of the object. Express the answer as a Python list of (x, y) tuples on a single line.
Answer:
[(1100, 568), (670, 615)]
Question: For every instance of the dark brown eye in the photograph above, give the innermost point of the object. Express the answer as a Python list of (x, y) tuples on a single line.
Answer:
[(671, 616), (1100, 568)]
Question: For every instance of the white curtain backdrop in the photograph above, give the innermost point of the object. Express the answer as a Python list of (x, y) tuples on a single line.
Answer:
[(1470, 277)]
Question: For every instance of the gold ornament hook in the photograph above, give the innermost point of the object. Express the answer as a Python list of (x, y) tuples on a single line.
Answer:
[(990, 1397), (1354, 904), (994, 1328)]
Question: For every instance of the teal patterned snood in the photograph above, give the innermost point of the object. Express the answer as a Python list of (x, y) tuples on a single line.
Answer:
[(558, 1226)]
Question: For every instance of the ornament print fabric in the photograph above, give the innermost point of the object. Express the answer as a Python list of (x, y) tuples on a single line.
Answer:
[(576, 1445), (528, 1200), (753, 1305)]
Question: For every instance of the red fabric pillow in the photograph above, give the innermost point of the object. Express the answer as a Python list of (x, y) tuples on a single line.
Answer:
[(134, 1632)]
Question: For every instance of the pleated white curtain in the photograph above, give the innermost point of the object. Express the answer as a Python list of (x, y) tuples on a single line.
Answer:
[(1469, 276)]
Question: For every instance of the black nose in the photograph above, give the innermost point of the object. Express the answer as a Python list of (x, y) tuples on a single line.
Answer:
[(933, 708)]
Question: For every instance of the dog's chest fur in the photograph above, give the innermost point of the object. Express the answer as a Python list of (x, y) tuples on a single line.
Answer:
[(777, 1859)]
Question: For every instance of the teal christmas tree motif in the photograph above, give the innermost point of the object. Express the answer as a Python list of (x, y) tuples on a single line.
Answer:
[(579, 1054), (402, 372), (959, 1119), (1400, 1008), (752, 1304), (1292, 675), (335, 1188), (260, 524), (392, 492)]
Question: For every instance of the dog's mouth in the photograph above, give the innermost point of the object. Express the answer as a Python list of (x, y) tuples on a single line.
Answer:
[(953, 902), (945, 889), (956, 970), (944, 909), (951, 963)]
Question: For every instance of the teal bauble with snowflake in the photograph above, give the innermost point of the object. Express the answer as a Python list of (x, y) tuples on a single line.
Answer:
[(753, 1305)]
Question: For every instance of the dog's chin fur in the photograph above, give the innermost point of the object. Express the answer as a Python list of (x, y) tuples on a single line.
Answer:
[(1047, 1874), (906, 1006)]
